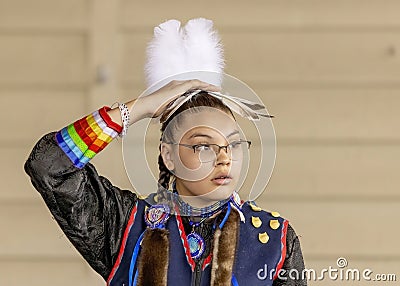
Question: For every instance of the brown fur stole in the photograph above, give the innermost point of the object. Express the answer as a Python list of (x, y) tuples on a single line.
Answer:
[(153, 259), (224, 250)]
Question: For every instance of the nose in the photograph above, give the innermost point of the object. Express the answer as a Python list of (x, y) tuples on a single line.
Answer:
[(223, 157)]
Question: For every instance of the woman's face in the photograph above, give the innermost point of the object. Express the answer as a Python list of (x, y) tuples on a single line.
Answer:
[(202, 176)]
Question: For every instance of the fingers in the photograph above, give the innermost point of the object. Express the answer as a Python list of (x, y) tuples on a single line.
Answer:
[(198, 84), (174, 89), (211, 87)]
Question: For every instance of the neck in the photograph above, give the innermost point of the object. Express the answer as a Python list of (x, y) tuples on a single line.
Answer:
[(197, 201), (198, 210)]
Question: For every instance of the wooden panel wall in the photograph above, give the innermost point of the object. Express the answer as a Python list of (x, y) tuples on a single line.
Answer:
[(328, 70)]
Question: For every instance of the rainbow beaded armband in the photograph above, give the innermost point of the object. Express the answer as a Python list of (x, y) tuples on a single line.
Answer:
[(86, 137)]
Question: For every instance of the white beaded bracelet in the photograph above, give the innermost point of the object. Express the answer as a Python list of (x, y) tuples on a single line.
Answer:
[(125, 116)]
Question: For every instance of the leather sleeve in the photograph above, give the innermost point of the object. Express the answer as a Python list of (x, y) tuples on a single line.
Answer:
[(89, 209), (293, 263)]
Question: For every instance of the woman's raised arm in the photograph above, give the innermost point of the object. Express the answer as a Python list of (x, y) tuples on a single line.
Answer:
[(90, 210)]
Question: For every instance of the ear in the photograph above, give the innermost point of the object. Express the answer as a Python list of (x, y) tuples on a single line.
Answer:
[(167, 155)]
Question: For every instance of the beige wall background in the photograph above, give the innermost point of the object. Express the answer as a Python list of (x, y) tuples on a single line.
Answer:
[(328, 70)]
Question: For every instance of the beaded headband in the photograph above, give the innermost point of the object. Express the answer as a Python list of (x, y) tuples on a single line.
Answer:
[(245, 108)]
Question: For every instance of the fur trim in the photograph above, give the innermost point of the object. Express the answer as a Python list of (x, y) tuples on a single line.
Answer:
[(226, 241), (153, 260)]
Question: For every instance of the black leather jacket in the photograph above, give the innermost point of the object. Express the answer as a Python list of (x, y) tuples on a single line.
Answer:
[(93, 213)]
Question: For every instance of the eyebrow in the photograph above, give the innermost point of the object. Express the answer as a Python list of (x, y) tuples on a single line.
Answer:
[(195, 135), (233, 133)]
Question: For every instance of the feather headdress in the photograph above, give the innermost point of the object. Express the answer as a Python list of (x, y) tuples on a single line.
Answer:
[(176, 50)]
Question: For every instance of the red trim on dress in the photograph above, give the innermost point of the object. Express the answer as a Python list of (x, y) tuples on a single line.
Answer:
[(183, 236), (123, 244), (283, 247), (186, 247), (207, 261)]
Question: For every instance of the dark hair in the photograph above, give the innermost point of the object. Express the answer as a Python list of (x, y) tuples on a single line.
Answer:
[(199, 100)]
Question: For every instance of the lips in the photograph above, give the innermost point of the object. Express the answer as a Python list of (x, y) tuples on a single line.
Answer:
[(222, 179)]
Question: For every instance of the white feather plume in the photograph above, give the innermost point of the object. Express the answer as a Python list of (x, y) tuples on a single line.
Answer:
[(204, 50), (175, 50), (165, 52)]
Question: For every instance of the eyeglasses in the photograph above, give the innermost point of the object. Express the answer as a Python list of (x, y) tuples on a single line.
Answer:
[(209, 152)]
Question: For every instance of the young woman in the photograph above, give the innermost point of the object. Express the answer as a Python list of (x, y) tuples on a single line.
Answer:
[(193, 230), (104, 222)]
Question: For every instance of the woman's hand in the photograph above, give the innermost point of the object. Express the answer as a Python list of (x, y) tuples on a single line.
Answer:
[(157, 101), (154, 104)]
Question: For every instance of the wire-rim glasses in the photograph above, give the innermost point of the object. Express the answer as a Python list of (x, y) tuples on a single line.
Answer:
[(209, 152)]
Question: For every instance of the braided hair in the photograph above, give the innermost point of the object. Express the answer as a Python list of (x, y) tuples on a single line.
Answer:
[(164, 178), (200, 99)]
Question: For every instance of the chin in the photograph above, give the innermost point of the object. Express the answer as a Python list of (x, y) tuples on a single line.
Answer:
[(220, 193)]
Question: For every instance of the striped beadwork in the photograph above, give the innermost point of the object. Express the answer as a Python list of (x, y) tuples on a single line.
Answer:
[(86, 137)]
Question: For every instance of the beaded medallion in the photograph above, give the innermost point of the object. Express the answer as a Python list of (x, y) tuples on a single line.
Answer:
[(196, 245), (156, 216)]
